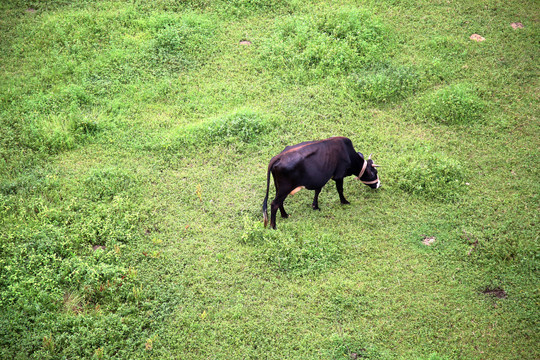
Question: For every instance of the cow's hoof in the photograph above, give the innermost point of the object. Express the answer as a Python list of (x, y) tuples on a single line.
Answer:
[(315, 208), (345, 202), (285, 216)]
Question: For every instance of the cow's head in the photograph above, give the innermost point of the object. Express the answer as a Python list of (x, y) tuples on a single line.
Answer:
[(368, 174)]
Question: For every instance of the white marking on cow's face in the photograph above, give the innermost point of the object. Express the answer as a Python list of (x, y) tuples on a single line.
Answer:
[(378, 184), (297, 190)]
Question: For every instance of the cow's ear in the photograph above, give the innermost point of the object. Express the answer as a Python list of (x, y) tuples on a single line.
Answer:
[(361, 155)]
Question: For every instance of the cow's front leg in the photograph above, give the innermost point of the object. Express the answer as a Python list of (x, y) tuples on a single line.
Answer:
[(339, 187), (315, 204)]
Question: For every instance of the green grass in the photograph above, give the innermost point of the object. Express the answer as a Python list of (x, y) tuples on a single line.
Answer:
[(454, 104), (134, 144), (327, 43)]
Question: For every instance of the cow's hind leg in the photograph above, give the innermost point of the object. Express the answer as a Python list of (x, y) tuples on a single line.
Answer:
[(277, 203), (315, 204), (283, 212), (281, 208), (339, 187)]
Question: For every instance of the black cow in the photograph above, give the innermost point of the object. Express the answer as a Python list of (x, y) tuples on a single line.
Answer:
[(310, 165)]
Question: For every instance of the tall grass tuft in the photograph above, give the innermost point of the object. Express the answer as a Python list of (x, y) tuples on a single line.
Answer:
[(385, 82), (240, 128), (334, 43), (181, 42), (432, 175), (453, 104)]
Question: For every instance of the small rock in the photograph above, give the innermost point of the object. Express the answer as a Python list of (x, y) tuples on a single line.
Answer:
[(517, 25), (245, 42), (31, 10), (477, 37), (428, 240), (97, 247)]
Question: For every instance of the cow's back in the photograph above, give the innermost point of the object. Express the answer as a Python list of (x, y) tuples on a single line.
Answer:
[(313, 163)]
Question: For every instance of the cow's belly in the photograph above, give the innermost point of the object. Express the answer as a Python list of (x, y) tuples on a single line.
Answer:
[(296, 190), (315, 184)]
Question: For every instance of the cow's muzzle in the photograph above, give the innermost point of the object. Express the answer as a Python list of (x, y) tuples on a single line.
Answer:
[(376, 182)]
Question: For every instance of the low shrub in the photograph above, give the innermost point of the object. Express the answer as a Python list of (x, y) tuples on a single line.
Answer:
[(49, 124), (301, 254), (61, 298), (107, 223)]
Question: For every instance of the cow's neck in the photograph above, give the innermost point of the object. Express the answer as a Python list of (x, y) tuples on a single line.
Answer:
[(362, 173)]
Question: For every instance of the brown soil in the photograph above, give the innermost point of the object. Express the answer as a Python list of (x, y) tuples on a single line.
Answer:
[(477, 37), (497, 292)]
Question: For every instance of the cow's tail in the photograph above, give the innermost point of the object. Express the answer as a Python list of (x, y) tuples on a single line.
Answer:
[(265, 202)]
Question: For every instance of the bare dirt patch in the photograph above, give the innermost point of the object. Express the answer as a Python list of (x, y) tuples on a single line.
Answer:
[(97, 247), (517, 25), (477, 37), (245, 42), (496, 292)]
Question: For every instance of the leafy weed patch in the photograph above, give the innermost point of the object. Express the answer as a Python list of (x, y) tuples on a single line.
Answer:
[(296, 252), (104, 184), (348, 347), (46, 276)]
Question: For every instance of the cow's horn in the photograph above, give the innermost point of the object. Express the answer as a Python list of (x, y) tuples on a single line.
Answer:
[(369, 157), (375, 165)]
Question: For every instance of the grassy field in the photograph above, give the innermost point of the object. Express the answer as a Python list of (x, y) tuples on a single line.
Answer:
[(134, 142)]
